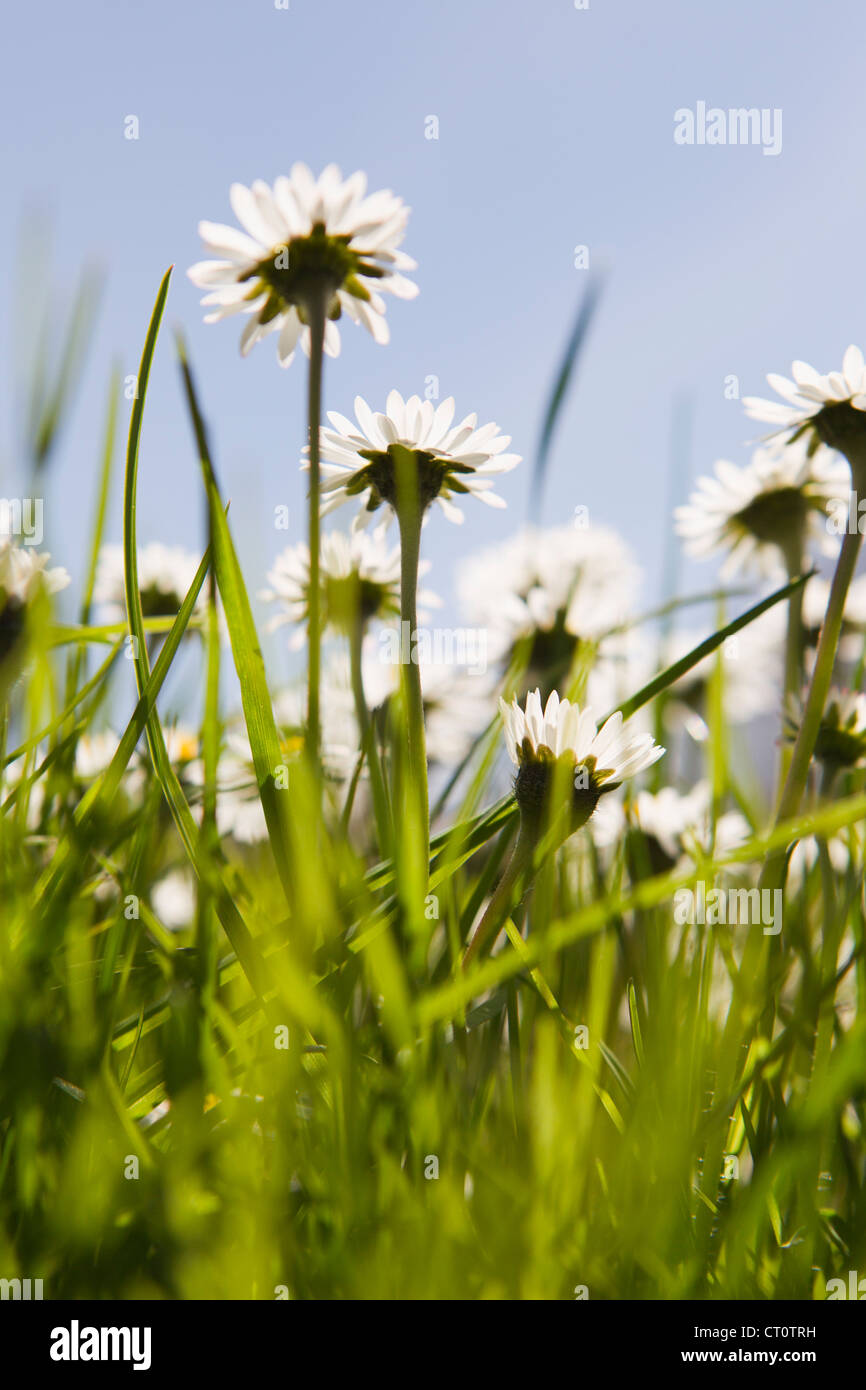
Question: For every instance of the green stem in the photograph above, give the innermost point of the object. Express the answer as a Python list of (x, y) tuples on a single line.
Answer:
[(503, 898), (794, 634), (409, 517), (369, 742), (315, 306), (798, 772), (793, 646)]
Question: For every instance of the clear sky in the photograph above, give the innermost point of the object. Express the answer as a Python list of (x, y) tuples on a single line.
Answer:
[(556, 129)]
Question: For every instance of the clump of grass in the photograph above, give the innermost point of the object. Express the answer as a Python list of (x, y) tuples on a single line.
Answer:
[(297, 1090)]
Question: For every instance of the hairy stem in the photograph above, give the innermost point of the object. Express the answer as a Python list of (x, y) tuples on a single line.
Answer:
[(409, 516), (316, 313)]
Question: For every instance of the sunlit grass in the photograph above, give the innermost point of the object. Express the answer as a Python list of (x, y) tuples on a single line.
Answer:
[(301, 1093)]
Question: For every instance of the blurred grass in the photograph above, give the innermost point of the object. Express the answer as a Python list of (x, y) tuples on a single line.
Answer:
[(299, 1094)]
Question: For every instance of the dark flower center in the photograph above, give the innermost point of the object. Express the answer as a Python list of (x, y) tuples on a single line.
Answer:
[(305, 266), (774, 516), (11, 627), (424, 474), (840, 746), (540, 779), (841, 427), (348, 598)]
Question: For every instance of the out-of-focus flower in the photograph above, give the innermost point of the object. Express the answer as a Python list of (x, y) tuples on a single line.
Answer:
[(305, 237), (165, 574), (760, 513), (24, 573), (360, 582), (841, 740), (173, 900), (552, 594), (681, 823)]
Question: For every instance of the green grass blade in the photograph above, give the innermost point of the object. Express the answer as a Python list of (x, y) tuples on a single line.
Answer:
[(264, 738)]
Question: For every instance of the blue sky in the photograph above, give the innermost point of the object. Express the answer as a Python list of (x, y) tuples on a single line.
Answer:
[(555, 129)]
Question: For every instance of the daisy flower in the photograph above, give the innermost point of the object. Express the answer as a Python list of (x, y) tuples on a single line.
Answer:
[(681, 823), (24, 574), (446, 460), (360, 582), (165, 574), (173, 900), (830, 407), (552, 593), (557, 751), (757, 512), (94, 752), (238, 809), (841, 740), (340, 734), (300, 239), (562, 733), (181, 744)]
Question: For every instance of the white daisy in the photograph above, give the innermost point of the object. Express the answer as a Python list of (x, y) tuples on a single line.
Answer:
[(841, 740), (17, 777), (755, 512), (681, 823), (823, 402), (24, 571), (23, 575), (360, 580), (181, 744), (562, 733), (448, 459), (94, 752), (585, 580), (340, 733), (552, 593), (238, 808), (165, 574), (299, 238), (173, 900)]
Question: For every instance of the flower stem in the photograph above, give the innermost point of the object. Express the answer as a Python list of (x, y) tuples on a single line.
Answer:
[(793, 646), (315, 306), (368, 740), (794, 634), (409, 517), (502, 901), (798, 772)]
